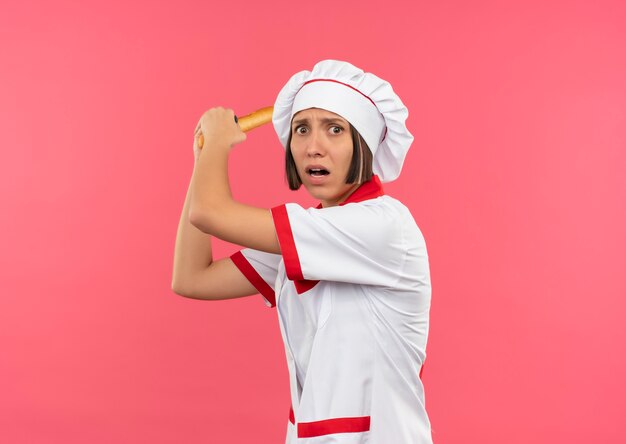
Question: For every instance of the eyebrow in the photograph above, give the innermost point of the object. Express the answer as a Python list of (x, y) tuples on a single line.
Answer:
[(324, 120)]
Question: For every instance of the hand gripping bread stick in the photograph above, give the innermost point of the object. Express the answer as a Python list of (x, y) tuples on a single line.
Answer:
[(250, 121)]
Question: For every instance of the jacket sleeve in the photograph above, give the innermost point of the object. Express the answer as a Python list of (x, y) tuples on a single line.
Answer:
[(260, 269), (355, 243)]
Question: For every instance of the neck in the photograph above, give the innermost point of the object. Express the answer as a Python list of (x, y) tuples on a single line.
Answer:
[(342, 198)]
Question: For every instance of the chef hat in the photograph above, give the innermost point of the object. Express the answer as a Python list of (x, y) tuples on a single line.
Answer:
[(363, 99)]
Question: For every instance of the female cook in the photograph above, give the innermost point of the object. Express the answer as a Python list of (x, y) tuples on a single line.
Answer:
[(350, 279)]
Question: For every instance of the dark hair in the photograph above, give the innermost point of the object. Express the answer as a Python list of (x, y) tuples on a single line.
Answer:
[(360, 167)]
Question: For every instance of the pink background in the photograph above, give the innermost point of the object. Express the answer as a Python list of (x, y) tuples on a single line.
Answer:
[(516, 179)]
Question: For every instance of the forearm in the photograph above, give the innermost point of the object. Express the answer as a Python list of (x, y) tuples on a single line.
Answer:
[(212, 208), (192, 252), (210, 188)]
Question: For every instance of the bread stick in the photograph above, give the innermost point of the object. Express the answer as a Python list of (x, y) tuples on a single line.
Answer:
[(249, 121)]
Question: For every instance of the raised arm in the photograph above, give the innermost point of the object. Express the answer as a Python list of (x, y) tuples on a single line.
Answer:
[(195, 274), (212, 208)]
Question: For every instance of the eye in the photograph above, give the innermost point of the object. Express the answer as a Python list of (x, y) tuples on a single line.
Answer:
[(298, 128), (336, 129)]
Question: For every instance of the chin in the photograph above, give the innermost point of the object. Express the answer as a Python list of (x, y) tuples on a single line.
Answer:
[(314, 191), (317, 192)]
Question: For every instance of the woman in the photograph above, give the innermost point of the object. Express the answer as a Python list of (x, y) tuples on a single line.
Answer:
[(350, 278)]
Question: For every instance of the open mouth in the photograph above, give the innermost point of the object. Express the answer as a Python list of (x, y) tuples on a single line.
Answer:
[(317, 172)]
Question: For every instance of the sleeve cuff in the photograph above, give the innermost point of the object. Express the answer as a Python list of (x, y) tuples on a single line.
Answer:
[(287, 243), (255, 278)]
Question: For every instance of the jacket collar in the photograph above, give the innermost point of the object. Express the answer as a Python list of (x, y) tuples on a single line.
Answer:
[(368, 190)]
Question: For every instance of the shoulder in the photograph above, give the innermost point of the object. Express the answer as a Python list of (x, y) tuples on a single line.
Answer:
[(396, 217), (379, 210), (383, 209), (386, 209)]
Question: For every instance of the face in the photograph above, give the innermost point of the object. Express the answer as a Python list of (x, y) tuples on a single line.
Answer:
[(321, 146)]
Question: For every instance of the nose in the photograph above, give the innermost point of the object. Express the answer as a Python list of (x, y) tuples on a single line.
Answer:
[(314, 146)]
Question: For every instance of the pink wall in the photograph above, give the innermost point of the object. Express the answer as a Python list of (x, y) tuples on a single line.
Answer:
[(516, 178)]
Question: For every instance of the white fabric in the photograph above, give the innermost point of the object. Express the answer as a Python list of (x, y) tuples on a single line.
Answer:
[(389, 154), (356, 341), (348, 103), (266, 265)]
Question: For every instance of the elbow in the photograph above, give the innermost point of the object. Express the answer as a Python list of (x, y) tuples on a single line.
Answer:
[(178, 289), (190, 294), (182, 287), (200, 220), (184, 292), (195, 219), (189, 287), (206, 219)]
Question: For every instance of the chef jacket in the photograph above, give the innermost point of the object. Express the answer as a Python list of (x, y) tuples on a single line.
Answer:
[(352, 291)]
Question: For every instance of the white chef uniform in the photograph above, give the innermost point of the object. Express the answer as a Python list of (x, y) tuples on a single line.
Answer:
[(352, 291)]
